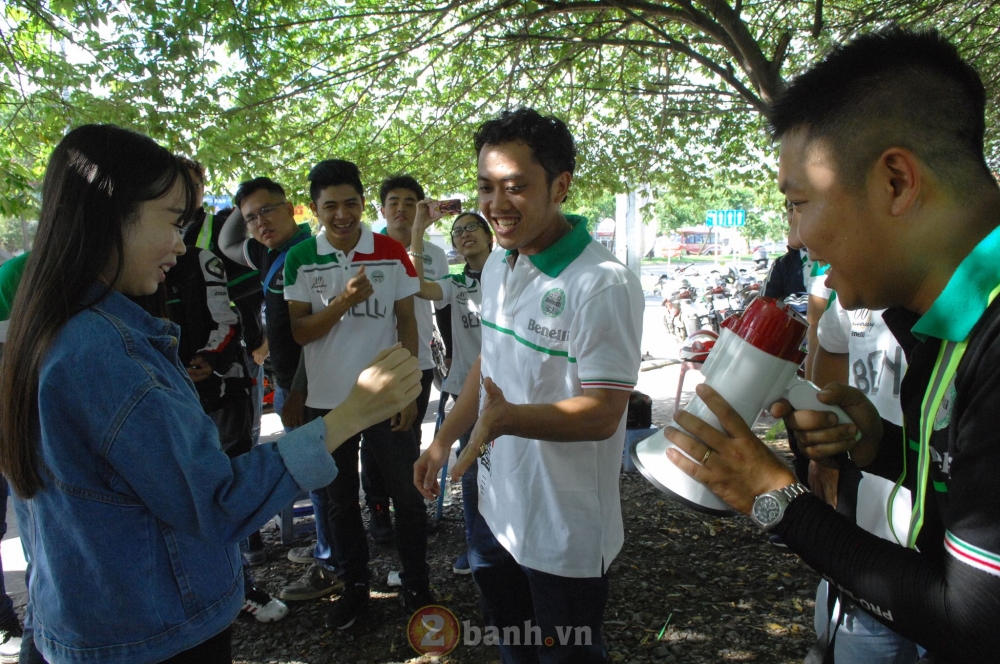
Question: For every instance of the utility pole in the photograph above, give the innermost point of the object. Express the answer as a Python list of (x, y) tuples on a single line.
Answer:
[(628, 231), (25, 239)]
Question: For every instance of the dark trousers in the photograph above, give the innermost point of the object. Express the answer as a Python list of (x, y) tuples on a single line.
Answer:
[(394, 452), (570, 611), (216, 650), (371, 478)]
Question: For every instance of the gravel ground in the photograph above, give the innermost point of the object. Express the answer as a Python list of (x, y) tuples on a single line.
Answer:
[(685, 588)]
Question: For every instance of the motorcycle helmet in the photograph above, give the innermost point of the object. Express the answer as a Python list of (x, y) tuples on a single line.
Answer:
[(697, 346)]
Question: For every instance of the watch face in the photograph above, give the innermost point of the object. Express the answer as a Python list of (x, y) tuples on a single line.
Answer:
[(767, 509)]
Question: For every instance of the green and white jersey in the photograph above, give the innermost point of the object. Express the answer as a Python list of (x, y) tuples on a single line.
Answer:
[(316, 272), (10, 278), (435, 267), (814, 276), (876, 364), (554, 324), (465, 296)]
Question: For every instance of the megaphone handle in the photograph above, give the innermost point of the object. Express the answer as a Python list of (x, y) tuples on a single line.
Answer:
[(802, 395)]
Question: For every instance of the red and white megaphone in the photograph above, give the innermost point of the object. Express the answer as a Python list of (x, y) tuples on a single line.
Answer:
[(753, 364)]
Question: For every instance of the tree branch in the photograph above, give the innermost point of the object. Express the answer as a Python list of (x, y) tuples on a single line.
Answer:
[(670, 44), (818, 20)]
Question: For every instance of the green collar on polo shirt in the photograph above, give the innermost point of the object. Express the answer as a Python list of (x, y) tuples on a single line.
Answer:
[(962, 302), (295, 239), (553, 260)]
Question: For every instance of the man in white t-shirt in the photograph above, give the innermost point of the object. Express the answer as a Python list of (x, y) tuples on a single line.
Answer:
[(857, 347), (562, 320), (350, 295), (399, 195)]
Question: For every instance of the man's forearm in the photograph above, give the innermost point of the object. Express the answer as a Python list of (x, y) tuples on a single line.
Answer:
[(232, 237), (428, 289), (300, 382), (311, 327)]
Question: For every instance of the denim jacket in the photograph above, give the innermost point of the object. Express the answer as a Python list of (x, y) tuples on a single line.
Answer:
[(133, 536)]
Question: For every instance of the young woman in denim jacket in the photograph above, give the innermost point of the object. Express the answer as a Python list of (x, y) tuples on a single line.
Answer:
[(129, 510)]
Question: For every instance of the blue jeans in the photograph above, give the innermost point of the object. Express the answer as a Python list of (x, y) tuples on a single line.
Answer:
[(339, 527), (861, 639), (29, 653), (512, 594), (280, 394)]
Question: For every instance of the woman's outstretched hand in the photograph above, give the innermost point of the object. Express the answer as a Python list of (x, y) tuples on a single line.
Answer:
[(388, 385)]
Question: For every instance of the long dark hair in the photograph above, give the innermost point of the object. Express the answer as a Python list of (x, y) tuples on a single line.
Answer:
[(95, 181)]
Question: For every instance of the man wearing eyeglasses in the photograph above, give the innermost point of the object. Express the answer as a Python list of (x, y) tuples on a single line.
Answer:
[(263, 211)]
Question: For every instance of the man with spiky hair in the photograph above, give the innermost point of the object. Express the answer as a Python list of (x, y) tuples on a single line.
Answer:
[(561, 323), (350, 295), (881, 162)]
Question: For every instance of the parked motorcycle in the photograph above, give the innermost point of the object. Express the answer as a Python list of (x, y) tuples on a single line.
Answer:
[(681, 316)]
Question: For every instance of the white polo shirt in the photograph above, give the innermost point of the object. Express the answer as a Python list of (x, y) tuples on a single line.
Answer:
[(316, 272), (465, 296), (554, 324)]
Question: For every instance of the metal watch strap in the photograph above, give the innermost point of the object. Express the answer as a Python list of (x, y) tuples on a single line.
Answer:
[(793, 491)]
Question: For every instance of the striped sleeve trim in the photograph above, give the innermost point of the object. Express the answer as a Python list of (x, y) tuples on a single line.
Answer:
[(606, 384), (981, 559)]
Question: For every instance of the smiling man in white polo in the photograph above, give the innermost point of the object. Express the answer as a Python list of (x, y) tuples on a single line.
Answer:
[(562, 320)]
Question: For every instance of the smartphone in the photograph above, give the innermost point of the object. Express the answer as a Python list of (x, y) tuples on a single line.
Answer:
[(451, 206)]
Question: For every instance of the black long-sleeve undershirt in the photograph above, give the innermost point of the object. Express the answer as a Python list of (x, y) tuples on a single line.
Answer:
[(946, 601)]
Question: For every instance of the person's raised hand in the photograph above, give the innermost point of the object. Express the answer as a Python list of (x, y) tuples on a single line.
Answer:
[(358, 288), (496, 418), (387, 386), (427, 214), (733, 463), (820, 436)]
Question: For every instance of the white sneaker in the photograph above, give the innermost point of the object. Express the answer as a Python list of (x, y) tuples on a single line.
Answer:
[(263, 607), (10, 643), (394, 581)]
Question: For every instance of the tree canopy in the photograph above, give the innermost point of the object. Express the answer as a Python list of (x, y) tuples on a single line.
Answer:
[(667, 93)]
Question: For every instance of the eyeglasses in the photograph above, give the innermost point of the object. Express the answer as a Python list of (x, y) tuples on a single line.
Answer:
[(470, 228), (265, 211)]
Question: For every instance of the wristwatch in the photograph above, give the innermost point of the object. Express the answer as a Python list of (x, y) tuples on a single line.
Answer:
[(769, 508)]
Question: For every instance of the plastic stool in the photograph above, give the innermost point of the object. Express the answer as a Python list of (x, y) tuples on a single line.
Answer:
[(286, 519), (685, 366)]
